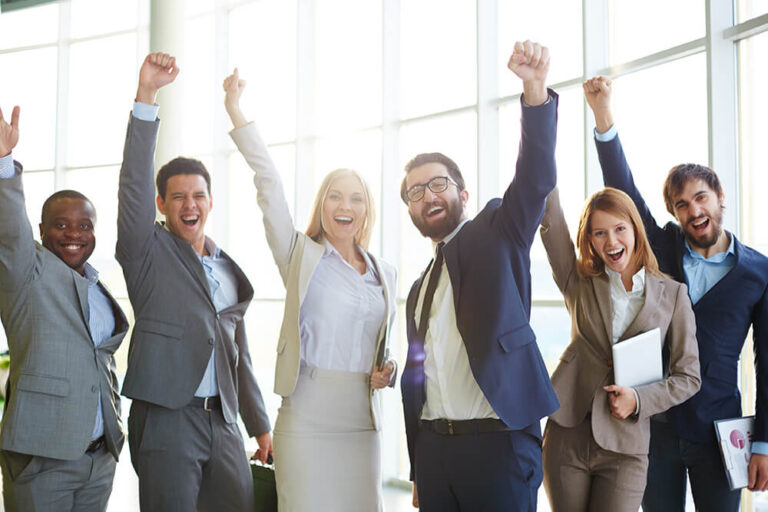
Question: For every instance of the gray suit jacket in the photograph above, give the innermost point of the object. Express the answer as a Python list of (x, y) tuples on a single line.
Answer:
[(56, 371), (177, 325), (586, 365)]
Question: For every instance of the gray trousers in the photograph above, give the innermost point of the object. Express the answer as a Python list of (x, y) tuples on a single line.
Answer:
[(33, 483), (188, 459)]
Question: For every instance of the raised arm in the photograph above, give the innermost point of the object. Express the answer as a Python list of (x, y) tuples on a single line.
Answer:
[(616, 171), (136, 193), (278, 225), (758, 464), (17, 244), (535, 175), (558, 244)]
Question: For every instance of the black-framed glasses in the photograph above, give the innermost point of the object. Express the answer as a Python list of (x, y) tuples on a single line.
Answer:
[(436, 185)]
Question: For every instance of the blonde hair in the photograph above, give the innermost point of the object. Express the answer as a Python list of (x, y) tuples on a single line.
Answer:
[(315, 229), (615, 202)]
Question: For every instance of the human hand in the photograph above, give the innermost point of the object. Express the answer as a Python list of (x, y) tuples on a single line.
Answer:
[(530, 62), (621, 400), (597, 92), (382, 377), (233, 88), (9, 133), (265, 447), (758, 472), (415, 500), (158, 70)]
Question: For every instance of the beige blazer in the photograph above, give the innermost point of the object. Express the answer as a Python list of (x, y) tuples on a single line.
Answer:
[(585, 366), (297, 256)]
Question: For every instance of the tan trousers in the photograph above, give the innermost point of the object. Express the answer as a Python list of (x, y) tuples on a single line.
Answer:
[(580, 476)]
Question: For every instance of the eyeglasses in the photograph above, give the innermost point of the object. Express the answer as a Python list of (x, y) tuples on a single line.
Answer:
[(436, 185)]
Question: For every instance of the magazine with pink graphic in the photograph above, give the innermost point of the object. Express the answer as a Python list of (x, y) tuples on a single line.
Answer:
[(735, 438)]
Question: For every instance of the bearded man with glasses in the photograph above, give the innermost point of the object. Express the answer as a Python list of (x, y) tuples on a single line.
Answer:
[(475, 386)]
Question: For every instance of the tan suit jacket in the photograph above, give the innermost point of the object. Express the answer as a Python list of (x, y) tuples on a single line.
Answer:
[(586, 365), (297, 256)]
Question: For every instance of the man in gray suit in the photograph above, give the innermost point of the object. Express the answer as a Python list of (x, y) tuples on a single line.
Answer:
[(189, 369), (61, 433)]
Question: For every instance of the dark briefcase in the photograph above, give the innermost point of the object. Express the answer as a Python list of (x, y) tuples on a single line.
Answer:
[(264, 488)]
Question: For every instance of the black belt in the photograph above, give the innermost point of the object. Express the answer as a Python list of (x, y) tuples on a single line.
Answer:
[(209, 403), (95, 445), (456, 427)]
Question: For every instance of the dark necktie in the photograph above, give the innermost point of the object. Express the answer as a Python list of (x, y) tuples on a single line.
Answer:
[(434, 277)]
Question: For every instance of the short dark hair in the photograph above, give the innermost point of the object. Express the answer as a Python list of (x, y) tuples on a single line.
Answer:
[(428, 158), (63, 194), (177, 166), (679, 175)]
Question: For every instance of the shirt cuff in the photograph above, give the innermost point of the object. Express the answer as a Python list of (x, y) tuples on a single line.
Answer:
[(145, 112), (549, 98), (607, 136), (637, 401), (760, 447), (7, 169)]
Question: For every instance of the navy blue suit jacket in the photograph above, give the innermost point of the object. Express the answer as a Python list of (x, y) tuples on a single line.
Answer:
[(723, 316), (488, 262)]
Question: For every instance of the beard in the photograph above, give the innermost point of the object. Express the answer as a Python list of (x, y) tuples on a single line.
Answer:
[(707, 240), (454, 212)]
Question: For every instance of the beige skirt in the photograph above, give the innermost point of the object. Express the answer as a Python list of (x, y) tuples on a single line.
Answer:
[(326, 450)]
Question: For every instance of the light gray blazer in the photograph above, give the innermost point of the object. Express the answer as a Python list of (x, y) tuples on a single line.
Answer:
[(177, 324), (586, 364), (297, 256), (56, 371)]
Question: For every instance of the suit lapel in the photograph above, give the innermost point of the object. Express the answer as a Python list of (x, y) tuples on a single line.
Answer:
[(81, 288), (451, 255), (647, 317), (381, 348), (602, 286)]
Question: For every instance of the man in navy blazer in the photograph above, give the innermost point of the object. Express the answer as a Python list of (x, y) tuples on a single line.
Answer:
[(475, 386), (728, 285)]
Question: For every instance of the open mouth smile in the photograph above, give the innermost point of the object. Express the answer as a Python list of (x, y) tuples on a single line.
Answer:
[(190, 220), (343, 220), (615, 255), (700, 224)]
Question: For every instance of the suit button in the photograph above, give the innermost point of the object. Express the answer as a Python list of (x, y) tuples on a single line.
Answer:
[(610, 363), (210, 341), (94, 389), (218, 316)]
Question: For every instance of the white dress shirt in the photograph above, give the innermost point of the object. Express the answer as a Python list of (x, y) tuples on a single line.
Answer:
[(452, 391), (341, 315)]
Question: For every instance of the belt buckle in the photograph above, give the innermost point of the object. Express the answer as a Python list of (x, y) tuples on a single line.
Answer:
[(205, 404), (450, 427)]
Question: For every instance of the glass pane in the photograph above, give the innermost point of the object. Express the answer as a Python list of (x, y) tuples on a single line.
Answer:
[(748, 9), (30, 26), (37, 187), (437, 56), (199, 86), (246, 240), (456, 137), (553, 23), (361, 152), (98, 115), (91, 17), (262, 43), (569, 155), (100, 186), (645, 111), (36, 95), (348, 60), (637, 29), (753, 81), (552, 326)]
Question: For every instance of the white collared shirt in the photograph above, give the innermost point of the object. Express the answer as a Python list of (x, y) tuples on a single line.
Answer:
[(341, 315), (452, 391), (625, 305)]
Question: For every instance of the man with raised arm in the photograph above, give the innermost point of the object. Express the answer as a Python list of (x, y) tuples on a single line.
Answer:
[(61, 431), (728, 286), (189, 369), (475, 386)]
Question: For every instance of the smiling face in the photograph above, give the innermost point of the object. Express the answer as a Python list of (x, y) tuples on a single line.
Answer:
[(67, 231), (186, 207), (698, 209), (613, 240), (436, 214), (344, 210)]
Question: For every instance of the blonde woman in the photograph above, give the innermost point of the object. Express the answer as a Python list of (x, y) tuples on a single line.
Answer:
[(331, 355), (595, 453)]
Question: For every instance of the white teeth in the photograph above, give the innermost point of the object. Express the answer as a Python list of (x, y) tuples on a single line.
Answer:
[(434, 210), (702, 221), (189, 217), (343, 219), (615, 252), (72, 247)]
